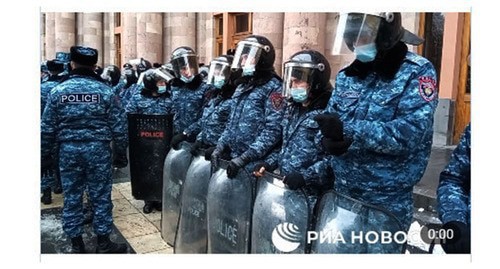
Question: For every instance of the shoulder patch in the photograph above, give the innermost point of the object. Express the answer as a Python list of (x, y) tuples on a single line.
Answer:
[(277, 101), (427, 88)]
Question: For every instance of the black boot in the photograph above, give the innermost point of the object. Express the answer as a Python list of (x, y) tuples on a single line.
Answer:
[(106, 246), (58, 187), (47, 196), (148, 207), (157, 206), (77, 245)]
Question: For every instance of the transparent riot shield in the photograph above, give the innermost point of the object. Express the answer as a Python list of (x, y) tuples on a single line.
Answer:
[(229, 211), (280, 218), (347, 225), (192, 230), (174, 174), (149, 142)]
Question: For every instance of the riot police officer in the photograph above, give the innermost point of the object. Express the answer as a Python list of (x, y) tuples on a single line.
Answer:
[(82, 116), (253, 129), (379, 120), (453, 196), (307, 89)]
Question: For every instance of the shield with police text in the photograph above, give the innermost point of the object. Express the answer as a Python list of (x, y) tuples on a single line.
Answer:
[(229, 211), (192, 230), (174, 174), (347, 225), (149, 143), (280, 218)]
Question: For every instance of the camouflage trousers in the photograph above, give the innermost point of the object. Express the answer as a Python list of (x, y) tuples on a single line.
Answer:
[(86, 165)]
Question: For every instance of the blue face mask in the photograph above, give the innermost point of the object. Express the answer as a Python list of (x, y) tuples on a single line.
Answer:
[(366, 53), (162, 89), (299, 95), (248, 70), (187, 80), (219, 81)]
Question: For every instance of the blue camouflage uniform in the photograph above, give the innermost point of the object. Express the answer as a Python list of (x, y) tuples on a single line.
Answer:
[(391, 124), (117, 89), (188, 106), (140, 104), (301, 152), (453, 193), (127, 93), (213, 120), (253, 129), (83, 115)]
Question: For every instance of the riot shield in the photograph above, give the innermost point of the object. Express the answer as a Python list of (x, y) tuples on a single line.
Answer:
[(347, 225), (174, 174), (149, 142), (192, 230), (229, 211), (280, 218)]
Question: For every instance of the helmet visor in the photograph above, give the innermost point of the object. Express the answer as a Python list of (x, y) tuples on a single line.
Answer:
[(354, 30), (297, 75), (247, 54), (185, 65), (218, 70), (162, 73)]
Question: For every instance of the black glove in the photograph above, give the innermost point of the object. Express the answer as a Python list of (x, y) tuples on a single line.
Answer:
[(47, 163), (234, 166), (208, 153), (331, 126), (120, 160), (260, 165), (195, 147), (336, 148), (294, 180), (460, 243), (177, 139)]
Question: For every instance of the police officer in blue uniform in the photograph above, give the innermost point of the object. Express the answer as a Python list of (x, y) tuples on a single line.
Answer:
[(216, 113), (50, 179), (253, 129), (82, 116), (189, 94), (379, 120), (154, 99), (453, 196), (307, 88)]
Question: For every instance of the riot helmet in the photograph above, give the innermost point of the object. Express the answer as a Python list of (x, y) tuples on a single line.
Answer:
[(111, 74), (55, 66), (143, 66), (220, 71), (305, 75), (184, 63), (254, 53), (366, 34), (155, 81)]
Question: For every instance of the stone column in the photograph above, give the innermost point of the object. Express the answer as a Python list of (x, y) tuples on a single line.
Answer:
[(337, 62), (79, 28), (42, 36), (167, 37), (149, 36), (303, 31), (201, 38), (65, 31), (270, 25), (108, 39), (129, 37), (92, 33), (182, 29), (50, 36)]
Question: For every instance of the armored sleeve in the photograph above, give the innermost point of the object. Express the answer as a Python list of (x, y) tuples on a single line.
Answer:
[(454, 184), (413, 118)]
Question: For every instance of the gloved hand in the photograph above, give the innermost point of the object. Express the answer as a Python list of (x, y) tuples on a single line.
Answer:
[(258, 166), (294, 180), (234, 166), (195, 147), (177, 139), (461, 238), (331, 126), (120, 160), (208, 153), (334, 147)]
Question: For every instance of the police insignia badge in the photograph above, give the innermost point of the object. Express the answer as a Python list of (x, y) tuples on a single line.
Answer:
[(427, 88), (276, 100)]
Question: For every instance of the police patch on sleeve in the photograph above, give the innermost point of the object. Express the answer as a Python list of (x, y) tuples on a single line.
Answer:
[(277, 100), (427, 88), (80, 98)]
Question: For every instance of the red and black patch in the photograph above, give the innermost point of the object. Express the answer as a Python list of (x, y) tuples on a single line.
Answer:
[(277, 100), (427, 88)]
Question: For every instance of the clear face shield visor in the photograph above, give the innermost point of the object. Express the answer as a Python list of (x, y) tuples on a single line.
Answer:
[(354, 30), (219, 71), (185, 65), (247, 55), (162, 73), (298, 75)]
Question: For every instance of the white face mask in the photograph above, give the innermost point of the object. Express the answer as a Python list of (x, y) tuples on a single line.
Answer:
[(162, 89), (299, 95), (248, 70), (187, 80), (219, 81), (366, 53)]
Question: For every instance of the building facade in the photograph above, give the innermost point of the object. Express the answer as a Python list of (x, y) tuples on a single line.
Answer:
[(120, 37)]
